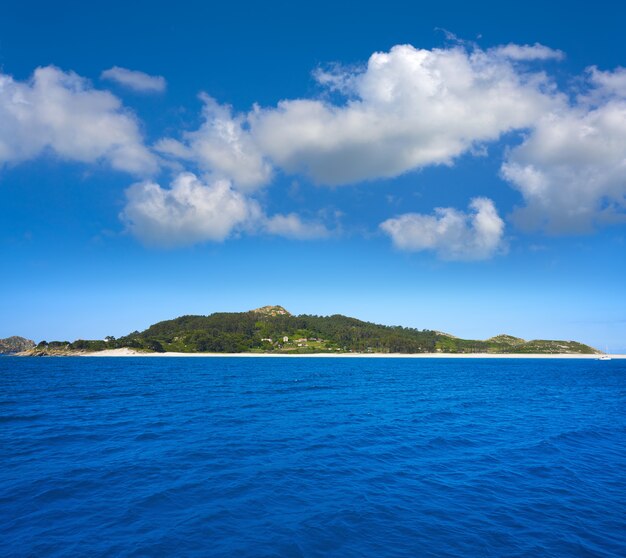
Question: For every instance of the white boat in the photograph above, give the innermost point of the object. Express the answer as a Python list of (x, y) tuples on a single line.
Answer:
[(604, 357)]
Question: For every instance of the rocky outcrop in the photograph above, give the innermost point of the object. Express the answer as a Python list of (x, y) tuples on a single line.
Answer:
[(272, 311), (40, 351), (15, 344)]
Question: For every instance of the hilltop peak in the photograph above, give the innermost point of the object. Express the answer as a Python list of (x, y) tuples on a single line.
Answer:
[(272, 311)]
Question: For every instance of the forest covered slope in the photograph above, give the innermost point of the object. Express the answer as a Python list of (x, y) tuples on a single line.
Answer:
[(274, 329)]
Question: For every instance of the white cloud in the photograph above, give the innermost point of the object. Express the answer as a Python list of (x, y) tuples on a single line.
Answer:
[(338, 78), (528, 52), (61, 112), (292, 226), (407, 109), (222, 147), (571, 168), (191, 211), (186, 213), (452, 234), (137, 81), (604, 85)]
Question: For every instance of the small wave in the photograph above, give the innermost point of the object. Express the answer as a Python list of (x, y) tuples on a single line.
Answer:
[(20, 418), (309, 457)]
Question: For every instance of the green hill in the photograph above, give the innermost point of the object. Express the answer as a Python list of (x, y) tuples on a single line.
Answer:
[(504, 339), (274, 329)]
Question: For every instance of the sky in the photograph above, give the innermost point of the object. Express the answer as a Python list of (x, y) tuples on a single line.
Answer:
[(458, 167)]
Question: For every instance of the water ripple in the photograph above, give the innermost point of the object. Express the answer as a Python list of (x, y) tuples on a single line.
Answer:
[(312, 457)]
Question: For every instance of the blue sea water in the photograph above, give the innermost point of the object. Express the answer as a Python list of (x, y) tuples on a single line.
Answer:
[(240, 457)]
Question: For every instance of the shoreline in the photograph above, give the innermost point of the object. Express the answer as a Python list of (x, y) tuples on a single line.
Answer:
[(133, 353)]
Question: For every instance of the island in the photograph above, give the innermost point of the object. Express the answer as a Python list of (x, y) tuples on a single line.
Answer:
[(15, 344), (275, 331)]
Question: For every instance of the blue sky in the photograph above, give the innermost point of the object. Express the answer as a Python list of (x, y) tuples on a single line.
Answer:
[(456, 167)]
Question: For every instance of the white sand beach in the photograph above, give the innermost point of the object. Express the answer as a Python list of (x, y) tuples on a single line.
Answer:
[(132, 353)]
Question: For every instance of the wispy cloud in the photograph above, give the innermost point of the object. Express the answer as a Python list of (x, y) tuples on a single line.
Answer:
[(292, 226), (135, 80), (528, 52)]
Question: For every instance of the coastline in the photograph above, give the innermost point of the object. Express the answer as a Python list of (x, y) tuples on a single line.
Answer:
[(133, 353)]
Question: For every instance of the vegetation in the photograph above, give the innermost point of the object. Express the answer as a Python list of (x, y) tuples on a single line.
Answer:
[(15, 344), (273, 329)]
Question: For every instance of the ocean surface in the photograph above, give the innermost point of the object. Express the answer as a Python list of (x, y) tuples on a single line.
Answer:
[(308, 457)]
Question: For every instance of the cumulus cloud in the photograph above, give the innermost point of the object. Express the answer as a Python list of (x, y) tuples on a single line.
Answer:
[(528, 52), (453, 235), (135, 80), (571, 168), (187, 212), (191, 211), (61, 112), (406, 109), (222, 147)]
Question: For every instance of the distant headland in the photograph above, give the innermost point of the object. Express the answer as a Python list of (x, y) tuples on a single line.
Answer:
[(275, 331), (15, 344)]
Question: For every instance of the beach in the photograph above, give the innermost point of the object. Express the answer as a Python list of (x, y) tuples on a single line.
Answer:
[(125, 352)]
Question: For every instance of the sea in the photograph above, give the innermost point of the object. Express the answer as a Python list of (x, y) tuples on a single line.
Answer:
[(312, 457)]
